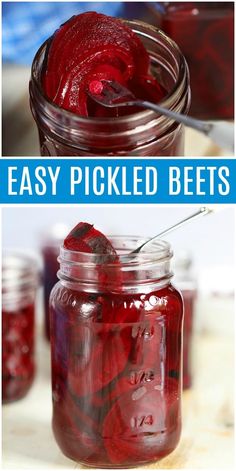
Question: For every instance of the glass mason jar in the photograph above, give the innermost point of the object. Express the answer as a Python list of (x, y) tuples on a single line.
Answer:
[(19, 283), (116, 342), (62, 133), (187, 283), (51, 241), (205, 33)]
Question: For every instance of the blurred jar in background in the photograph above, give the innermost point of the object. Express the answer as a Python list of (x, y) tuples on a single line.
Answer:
[(204, 31), (51, 241), (186, 282), (20, 278)]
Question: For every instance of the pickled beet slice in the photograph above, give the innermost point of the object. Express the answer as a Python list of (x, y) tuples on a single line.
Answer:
[(82, 44), (78, 435), (135, 420), (146, 356), (93, 47), (130, 381), (123, 309), (96, 358), (146, 87), (80, 416), (84, 238), (147, 346), (147, 336)]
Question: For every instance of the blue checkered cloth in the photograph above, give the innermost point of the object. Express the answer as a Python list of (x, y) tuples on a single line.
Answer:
[(26, 25)]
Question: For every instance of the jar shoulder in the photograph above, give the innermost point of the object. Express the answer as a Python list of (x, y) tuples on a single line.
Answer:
[(115, 307), (55, 293)]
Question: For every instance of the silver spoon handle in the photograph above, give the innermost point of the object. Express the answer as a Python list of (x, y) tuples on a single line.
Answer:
[(221, 132), (201, 212)]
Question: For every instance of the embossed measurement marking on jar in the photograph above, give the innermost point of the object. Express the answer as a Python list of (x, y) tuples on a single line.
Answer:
[(140, 331), (137, 422), (137, 377)]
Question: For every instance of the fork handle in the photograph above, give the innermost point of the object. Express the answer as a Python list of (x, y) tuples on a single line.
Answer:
[(222, 132), (202, 211)]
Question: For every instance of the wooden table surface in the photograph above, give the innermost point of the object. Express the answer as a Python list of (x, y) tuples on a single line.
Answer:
[(207, 437)]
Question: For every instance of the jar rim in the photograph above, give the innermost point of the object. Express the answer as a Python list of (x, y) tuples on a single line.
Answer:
[(138, 272), (19, 271), (155, 251), (133, 119)]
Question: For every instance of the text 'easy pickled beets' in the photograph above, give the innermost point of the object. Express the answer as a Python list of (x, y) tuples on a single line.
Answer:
[(88, 49), (116, 340)]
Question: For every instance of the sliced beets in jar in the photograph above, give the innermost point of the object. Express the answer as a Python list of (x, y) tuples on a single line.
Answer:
[(89, 48), (137, 424), (97, 356), (130, 424)]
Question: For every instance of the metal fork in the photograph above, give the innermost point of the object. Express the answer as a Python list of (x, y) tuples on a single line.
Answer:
[(114, 95), (202, 211)]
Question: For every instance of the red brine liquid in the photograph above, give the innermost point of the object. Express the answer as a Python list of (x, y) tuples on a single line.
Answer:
[(17, 352), (116, 357), (205, 33), (189, 300), (116, 376), (186, 281)]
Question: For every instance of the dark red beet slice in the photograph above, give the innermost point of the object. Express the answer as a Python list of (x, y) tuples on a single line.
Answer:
[(135, 420), (148, 345), (84, 238), (79, 433), (145, 339), (96, 357), (123, 309), (129, 381), (81, 45), (146, 87), (145, 359), (134, 415), (91, 47), (147, 336)]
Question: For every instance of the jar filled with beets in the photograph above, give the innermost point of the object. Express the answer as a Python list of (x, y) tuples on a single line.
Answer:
[(88, 51), (116, 343), (205, 33), (19, 284), (51, 241)]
